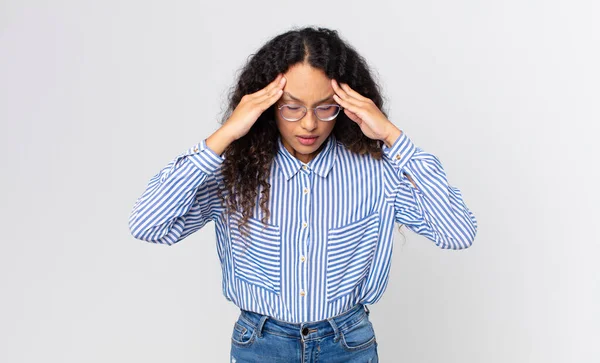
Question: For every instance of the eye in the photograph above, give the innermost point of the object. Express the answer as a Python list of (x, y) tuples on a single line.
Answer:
[(293, 108)]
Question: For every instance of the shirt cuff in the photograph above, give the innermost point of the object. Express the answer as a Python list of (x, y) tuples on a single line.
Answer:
[(400, 152), (205, 158)]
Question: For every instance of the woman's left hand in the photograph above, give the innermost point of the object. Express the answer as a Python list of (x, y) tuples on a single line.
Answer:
[(364, 112)]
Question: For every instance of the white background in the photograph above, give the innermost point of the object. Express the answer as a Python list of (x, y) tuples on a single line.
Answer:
[(96, 97)]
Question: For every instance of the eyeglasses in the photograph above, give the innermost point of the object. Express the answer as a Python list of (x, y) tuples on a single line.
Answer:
[(296, 112)]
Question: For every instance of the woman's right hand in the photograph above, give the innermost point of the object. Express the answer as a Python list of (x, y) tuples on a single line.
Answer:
[(252, 106)]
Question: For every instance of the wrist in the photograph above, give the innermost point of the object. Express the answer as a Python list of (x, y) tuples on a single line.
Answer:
[(392, 136)]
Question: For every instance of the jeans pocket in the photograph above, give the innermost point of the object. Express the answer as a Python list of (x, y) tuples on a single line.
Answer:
[(359, 336), (244, 333), (350, 250), (257, 258)]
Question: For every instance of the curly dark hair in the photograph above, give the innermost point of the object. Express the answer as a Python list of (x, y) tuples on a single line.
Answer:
[(246, 167)]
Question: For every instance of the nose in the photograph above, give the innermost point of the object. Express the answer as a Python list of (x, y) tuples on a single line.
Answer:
[(310, 121)]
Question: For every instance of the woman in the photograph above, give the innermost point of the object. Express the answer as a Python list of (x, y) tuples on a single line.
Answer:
[(304, 181)]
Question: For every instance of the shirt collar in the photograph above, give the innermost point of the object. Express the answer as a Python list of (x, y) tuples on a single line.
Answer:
[(321, 164)]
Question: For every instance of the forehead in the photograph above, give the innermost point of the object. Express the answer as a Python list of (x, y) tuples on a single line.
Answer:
[(307, 84)]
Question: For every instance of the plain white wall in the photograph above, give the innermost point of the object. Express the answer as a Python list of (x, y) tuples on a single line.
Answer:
[(96, 97)]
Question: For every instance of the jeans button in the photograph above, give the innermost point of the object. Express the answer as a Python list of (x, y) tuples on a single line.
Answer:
[(305, 331)]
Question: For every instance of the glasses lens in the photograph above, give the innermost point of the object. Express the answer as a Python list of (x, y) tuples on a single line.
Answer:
[(291, 112), (327, 112)]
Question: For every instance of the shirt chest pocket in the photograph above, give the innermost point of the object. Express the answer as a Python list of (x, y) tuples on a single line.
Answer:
[(256, 257), (350, 250)]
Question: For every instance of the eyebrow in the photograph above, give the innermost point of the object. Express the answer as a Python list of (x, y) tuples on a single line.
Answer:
[(286, 93)]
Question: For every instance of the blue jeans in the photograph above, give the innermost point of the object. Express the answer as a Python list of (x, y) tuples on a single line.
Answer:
[(348, 337)]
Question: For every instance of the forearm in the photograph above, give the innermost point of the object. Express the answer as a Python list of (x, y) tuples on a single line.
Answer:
[(181, 188), (424, 200)]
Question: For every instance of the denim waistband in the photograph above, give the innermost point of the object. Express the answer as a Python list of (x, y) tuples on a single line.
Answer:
[(309, 330)]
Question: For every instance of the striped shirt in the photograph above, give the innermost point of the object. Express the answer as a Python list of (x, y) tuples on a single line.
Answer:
[(327, 244)]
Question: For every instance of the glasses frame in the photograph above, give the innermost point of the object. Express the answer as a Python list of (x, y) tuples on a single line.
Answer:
[(340, 108)]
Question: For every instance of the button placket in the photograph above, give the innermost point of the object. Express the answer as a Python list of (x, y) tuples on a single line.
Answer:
[(303, 266)]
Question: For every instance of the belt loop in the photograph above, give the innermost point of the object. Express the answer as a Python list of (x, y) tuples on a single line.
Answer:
[(336, 336), (260, 325), (367, 309)]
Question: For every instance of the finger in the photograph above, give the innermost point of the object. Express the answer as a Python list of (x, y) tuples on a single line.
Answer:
[(275, 96), (270, 99), (347, 105), (268, 87), (278, 81), (270, 93), (353, 93), (337, 88), (343, 95)]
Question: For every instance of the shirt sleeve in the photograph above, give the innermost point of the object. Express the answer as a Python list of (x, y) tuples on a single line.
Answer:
[(435, 209), (180, 199)]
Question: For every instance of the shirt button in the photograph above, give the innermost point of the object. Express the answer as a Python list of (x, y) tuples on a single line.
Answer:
[(398, 156), (302, 258), (305, 190), (302, 293), (195, 149), (304, 224), (304, 167)]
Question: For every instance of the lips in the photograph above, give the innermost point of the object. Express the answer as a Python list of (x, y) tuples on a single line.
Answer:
[(307, 140)]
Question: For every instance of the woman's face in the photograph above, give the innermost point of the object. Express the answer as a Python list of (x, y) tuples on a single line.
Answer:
[(309, 87)]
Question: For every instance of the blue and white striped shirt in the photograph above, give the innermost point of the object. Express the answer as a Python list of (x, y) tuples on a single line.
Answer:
[(328, 242)]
